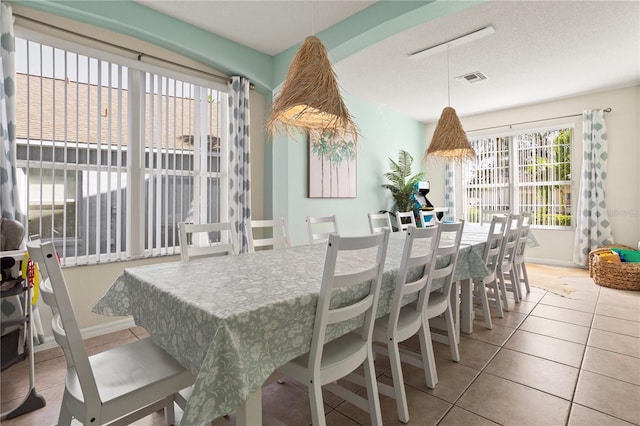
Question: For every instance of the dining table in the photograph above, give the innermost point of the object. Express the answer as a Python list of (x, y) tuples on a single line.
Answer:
[(233, 320)]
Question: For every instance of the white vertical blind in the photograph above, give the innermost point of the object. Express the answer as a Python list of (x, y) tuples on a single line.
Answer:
[(528, 171), (114, 156)]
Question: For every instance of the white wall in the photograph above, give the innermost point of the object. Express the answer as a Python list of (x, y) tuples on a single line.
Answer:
[(623, 184)]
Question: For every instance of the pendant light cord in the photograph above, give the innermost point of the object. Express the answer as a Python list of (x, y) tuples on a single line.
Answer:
[(313, 30), (448, 78)]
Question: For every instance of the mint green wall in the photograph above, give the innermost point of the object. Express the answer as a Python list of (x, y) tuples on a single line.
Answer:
[(135, 20), (384, 133)]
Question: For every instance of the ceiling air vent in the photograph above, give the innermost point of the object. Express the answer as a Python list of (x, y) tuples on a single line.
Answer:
[(473, 77)]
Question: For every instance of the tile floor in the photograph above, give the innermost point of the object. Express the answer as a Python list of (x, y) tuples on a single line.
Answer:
[(551, 360)]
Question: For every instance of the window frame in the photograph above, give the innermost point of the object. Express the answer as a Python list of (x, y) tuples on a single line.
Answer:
[(514, 185), (135, 147)]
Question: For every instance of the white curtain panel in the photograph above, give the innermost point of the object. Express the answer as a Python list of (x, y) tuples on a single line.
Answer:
[(8, 189), (239, 165), (593, 229), (450, 191)]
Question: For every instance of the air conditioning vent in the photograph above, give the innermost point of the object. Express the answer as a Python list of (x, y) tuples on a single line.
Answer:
[(473, 77)]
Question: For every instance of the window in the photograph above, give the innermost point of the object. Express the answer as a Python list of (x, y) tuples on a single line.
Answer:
[(529, 171), (113, 154)]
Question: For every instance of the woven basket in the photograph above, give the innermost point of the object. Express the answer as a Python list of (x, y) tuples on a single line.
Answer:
[(621, 276)]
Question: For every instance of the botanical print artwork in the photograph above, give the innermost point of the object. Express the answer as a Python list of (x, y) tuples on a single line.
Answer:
[(332, 166)]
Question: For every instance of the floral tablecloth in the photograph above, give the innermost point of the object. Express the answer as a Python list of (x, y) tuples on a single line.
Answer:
[(233, 320)]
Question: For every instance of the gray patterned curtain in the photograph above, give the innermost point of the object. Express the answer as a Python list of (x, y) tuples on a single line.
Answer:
[(450, 192), (239, 166), (8, 189), (593, 229), (10, 308)]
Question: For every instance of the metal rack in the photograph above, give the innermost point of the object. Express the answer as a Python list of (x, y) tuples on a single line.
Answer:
[(17, 345)]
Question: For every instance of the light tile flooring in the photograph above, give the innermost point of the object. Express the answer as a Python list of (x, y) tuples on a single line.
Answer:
[(551, 360)]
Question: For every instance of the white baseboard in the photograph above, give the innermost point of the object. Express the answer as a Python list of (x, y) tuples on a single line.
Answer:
[(552, 262), (96, 330)]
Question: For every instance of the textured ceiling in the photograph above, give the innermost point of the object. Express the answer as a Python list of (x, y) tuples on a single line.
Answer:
[(541, 50), (264, 25)]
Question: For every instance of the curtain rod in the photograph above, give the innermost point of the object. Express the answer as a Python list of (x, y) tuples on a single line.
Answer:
[(138, 55), (531, 121)]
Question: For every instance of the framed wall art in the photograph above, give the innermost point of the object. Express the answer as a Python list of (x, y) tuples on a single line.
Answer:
[(332, 166)]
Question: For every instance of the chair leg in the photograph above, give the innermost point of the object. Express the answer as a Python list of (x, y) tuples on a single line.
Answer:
[(398, 382), (503, 290), (482, 292), (451, 331), (64, 418), (525, 277), (515, 283), (169, 412), (317, 404), (428, 357), (496, 298), (372, 390)]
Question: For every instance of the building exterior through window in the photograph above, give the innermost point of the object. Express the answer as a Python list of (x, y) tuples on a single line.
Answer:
[(112, 157)]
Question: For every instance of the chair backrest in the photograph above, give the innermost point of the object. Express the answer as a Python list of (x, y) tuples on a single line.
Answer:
[(428, 218), (491, 254), (54, 292), (278, 228), (450, 237), (499, 223), (349, 261), (509, 246), (196, 239), (527, 218), (522, 243), (379, 221), (416, 271), (487, 214), (320, 227), (402, 226), (517, 220)]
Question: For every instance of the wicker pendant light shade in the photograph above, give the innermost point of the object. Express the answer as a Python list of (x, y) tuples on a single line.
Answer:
[(449, 139), (310, 97)]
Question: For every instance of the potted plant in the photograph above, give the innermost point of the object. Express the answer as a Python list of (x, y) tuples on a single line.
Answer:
[(401, 180)]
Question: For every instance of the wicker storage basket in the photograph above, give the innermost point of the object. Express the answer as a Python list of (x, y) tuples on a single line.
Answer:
[(622, 276)]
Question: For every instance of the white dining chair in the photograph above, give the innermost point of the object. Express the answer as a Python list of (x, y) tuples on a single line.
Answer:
[(403, 322), (439, 303), (402, 224), (519, 265), (276, 230), (379, 222), (328, 361), (125, 383), (196, 239), (517, 220), (320, 227), (505, 266), (487, 214), (486, 290)]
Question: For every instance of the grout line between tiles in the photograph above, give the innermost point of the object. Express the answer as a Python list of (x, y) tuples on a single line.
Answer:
[(454, 404)]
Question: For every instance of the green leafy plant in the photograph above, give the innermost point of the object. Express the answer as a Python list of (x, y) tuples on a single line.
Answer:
[(401, 180)]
